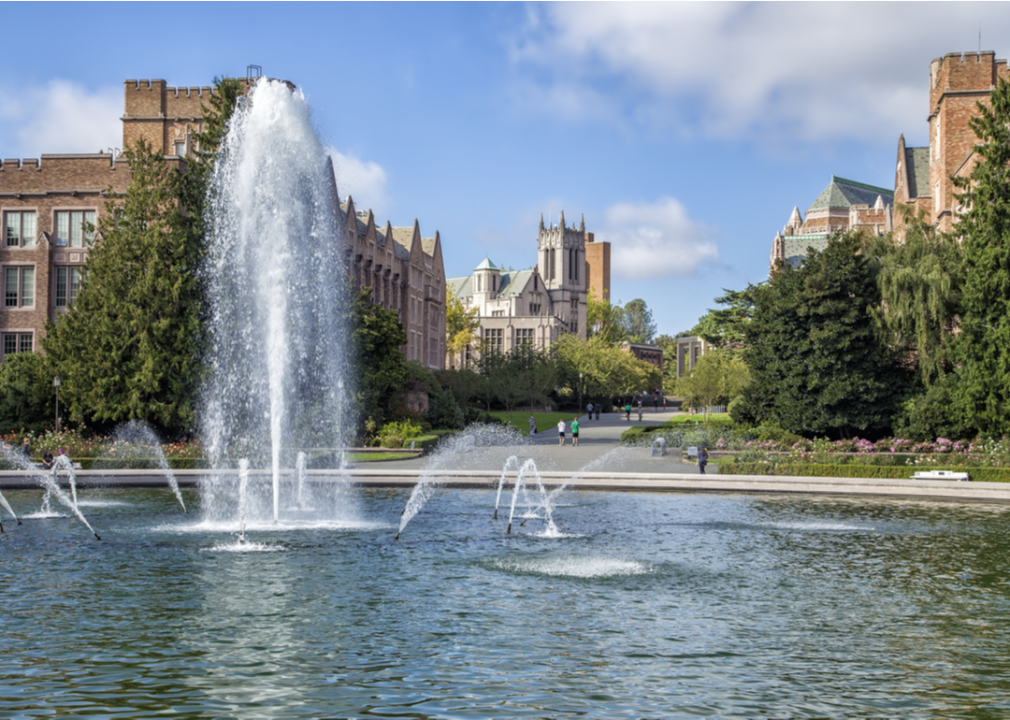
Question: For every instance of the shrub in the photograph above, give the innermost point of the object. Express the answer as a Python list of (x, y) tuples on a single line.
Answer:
[(393, 435)]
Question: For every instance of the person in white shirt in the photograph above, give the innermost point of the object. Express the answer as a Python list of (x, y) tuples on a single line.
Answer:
[(561, 432)]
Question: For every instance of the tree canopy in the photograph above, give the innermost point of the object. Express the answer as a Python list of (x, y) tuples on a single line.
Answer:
[(636, 319), (817, 365)]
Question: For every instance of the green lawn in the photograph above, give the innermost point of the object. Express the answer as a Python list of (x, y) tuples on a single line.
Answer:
[(545, 420), (371, 457), (722, 418)]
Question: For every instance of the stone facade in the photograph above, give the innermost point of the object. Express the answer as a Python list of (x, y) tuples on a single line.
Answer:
[(406, 274), (689, 351), (841, 206), (922, 182), (535, 306)]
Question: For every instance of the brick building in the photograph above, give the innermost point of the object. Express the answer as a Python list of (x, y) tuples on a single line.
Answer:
[(922, 178), (49, 208)]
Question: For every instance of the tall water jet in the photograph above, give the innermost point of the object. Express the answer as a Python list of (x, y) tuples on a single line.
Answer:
[(276, 285)]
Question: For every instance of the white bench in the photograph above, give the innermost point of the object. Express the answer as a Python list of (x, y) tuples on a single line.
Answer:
[(941, 475)]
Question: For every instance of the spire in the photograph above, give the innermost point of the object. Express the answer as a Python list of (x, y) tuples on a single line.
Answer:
[(562, 221), (582, 223), (541, 222), (879, 205)]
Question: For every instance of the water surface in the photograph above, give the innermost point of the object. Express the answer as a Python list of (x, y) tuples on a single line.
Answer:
[(648, 605)]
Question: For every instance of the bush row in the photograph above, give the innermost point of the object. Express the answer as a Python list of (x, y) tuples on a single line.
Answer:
[(729, 466)]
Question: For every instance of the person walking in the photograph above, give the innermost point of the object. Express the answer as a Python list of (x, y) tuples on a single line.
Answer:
[(627, 411), (598, 408), (533, 426), (575, 432), (639, 411), (589, 411), (561, 432), (702, 459)]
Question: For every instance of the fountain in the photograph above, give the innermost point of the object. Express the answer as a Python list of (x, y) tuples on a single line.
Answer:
[(449, 451), (278, 311), (135, 445), (49, 482)]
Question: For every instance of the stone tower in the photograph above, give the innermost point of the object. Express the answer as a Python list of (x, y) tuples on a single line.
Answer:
[(561, 260)]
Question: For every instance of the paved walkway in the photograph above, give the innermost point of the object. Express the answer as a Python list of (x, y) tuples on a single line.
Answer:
[(599, 450)]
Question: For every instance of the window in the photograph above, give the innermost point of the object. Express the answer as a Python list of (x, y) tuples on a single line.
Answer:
[(19, 287), (17, 342), (19, 228), (524, 336), (180, 148), (494, 337), (497, 313), (68, 283), (75, 228)]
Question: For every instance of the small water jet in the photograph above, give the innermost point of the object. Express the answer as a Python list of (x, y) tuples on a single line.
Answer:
[(48, 482), (135, 445), (450, 451), (530, 467)]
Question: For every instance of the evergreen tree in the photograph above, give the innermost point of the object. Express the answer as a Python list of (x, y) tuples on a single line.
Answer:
[(129, 346), (817, 366), (983, 346), (378, 336)]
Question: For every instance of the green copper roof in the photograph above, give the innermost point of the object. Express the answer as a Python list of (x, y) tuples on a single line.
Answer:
[(917, 163), (842, 193), (486, 264), (796, 247)]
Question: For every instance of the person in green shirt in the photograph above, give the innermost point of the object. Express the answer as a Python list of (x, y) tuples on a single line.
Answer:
[(575, 432)]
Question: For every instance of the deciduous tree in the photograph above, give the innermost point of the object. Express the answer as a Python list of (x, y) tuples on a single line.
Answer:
[(636, 319)]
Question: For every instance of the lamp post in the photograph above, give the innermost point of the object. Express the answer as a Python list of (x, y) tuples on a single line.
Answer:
[(56, 384), (580, 394)]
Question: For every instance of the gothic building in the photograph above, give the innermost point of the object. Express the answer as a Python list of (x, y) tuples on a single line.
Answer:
[(406, 274), (536, 306), (922, 178), (843, 205)]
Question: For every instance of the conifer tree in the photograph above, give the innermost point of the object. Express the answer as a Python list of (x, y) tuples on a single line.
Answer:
[(129, 346), (817, 365), (983, 346)]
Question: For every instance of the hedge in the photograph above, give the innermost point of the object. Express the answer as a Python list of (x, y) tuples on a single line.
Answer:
[(852, 470)]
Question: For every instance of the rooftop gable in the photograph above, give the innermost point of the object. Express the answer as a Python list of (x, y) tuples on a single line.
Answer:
[(843, 194)]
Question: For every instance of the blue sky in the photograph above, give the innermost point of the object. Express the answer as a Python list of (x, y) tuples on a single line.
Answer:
[(685, 133)]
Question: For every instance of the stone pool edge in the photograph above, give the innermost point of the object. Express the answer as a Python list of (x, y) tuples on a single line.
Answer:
[(609, 481)]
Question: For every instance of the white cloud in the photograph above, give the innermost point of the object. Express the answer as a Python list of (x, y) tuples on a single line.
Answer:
[(62, 117), (774, 71), (656, 240), (363, 180)]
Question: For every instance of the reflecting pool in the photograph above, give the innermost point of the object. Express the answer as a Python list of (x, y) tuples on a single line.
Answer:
[(646, 605)]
